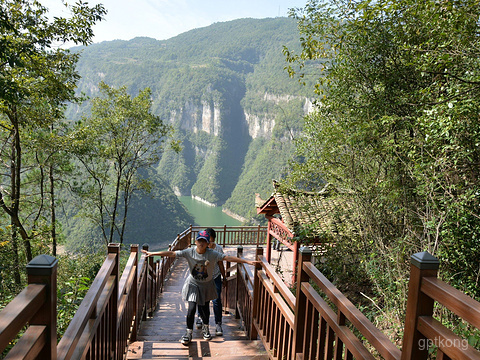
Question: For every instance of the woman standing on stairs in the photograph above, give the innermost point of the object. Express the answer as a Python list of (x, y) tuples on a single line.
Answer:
[(218, 274), (199, 288)]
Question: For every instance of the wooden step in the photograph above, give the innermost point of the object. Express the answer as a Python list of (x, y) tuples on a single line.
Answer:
[(198, 349)]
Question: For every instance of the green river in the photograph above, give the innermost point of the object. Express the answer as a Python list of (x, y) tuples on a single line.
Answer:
[(206, 215)]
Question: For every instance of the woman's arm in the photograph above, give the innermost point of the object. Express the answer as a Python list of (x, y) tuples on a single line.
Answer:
[(159, 253), (238, 260), (222, 269)]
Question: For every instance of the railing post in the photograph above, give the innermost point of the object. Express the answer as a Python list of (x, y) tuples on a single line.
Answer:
[(418, 304), (296, 247), (224, 235), (134, 249), (145, 280), (300, 303), (256, 295), (151, 285), (43, 270), (190, 236), (114, 249), (239, 255), (225, 299), (269, 243), (258, 236)]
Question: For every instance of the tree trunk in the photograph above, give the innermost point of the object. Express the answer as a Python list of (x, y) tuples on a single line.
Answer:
[(115, 204), (52, 214), (16, 167), (16, 258)]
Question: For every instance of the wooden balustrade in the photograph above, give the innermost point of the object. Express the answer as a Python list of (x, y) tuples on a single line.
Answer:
[(274, 311), (300, 326), (92, 331), (105, 322), (235, 235), (324, 333), (34, 306), (306, 327), (422, 331)]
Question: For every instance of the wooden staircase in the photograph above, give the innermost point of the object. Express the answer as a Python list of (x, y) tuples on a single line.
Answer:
[(159, 336)]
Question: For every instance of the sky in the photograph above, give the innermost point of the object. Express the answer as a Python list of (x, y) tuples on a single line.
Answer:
[(163, 19)]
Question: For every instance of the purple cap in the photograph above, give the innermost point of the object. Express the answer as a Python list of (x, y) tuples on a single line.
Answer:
[(204, 235)]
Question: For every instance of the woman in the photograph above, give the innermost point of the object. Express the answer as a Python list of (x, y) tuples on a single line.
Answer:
[(199, 287), (218, 273)]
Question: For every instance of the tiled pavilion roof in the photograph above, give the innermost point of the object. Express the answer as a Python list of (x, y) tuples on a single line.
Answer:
[(327, 212)]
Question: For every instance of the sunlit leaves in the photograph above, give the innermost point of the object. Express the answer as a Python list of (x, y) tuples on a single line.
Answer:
[(115, 143), (398, 123)]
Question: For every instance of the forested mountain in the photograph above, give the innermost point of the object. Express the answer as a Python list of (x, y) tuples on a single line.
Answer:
[(225, 91)]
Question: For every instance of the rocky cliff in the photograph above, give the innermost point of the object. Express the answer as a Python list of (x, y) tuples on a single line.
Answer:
[(224, 90)]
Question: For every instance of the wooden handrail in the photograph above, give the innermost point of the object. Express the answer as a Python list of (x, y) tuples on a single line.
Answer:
[(127, 275), (72, 335), (300, 326), (446, 339), (30, 344), (377, 338), (34, 307), (453, 299), (355, 346), (235, 235), (421, 330), (128, 298), (278, 282), (19, 311)]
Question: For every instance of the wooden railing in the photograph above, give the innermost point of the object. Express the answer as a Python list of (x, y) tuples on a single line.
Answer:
[(235, 235), (422, 331), (110, 314), (35, 305), (305, 326), (318, 322)]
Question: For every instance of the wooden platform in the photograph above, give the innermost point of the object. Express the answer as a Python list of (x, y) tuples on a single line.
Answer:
[(159, 337)]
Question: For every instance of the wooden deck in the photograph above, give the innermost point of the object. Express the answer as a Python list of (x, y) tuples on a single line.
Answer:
[(159, 336)]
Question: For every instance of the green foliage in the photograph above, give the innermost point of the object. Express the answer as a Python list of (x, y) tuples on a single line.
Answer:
[(397, 123), (119, 138), (227, 69), (260, 167), (37, 78)]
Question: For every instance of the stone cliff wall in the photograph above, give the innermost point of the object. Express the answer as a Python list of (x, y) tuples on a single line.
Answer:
[(208, 117)]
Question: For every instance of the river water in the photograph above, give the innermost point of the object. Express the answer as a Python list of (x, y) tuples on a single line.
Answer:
[(206, 215)]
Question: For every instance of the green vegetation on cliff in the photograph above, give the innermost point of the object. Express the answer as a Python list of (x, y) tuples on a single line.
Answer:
[(225, 91)]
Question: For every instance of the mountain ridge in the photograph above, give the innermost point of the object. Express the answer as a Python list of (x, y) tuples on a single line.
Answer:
[(225, 91)]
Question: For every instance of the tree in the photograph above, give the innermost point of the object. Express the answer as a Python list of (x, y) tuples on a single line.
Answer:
[(36, 79), (119, 140), (397, 122)]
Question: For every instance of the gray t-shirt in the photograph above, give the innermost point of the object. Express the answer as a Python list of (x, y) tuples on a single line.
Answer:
[(201, 265)]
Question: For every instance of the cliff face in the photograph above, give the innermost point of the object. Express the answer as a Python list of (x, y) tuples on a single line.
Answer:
[(260, 125), (198, 117), (207, 116), (224, 91)]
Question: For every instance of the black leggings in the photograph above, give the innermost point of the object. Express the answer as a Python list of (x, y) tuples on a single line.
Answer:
[(203, 311)]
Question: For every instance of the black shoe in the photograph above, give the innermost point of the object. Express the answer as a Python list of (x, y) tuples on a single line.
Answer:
[(206, 332), (187, 338)]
